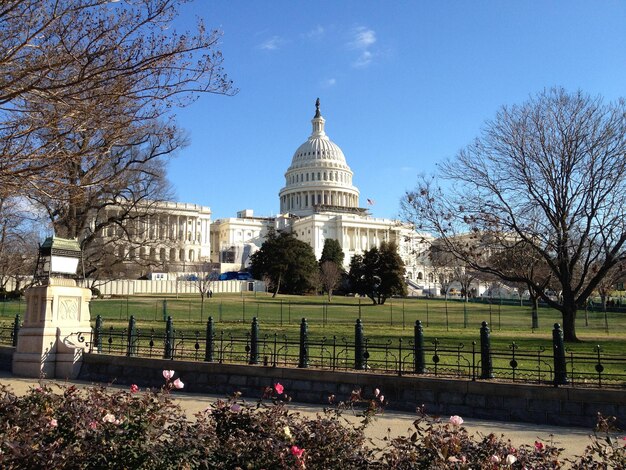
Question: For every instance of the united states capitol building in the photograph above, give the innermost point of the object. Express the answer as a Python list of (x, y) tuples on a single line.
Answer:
[(318, 201)]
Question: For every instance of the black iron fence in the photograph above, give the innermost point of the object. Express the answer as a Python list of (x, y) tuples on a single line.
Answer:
[(9, 331), (551, 364)]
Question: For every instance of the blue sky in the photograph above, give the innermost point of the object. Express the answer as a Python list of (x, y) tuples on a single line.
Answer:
[(403, 85)]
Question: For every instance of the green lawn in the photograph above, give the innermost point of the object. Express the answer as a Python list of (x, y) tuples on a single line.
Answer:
[(444, 320)]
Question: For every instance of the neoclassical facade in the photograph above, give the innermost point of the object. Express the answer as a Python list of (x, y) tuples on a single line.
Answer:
[(318, 201), (168, 234)]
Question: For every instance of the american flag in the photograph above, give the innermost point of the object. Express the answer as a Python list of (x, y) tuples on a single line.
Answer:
[(370, 202)]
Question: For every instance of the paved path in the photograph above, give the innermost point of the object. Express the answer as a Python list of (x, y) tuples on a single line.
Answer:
[(572, 439)]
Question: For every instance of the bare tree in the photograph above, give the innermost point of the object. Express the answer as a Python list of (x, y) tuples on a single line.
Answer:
[(86, 96), (18, 243), (607, 285), (329, 277), (206, 274), (464, 276), (549, 174), (88, 78), (442, 263)]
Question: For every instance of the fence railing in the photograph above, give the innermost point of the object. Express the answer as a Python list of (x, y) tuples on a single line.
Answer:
[(9, 331), (551, 364)]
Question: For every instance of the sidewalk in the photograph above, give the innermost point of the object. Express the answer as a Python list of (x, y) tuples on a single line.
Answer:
[(391, 423)]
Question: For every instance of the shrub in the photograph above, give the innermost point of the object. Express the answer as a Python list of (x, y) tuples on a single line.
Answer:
[(99, 428)]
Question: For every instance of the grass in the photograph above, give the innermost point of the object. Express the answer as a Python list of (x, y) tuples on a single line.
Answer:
[(450, 322)]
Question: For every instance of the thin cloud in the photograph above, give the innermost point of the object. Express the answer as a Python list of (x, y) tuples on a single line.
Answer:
[(364, 59), (329, 82), (362, 40), (271, 44), (316, 32)]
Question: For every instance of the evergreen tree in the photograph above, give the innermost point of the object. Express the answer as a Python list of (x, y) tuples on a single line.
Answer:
[(378, 273), (332, 252), (331, 270), (287, 262)]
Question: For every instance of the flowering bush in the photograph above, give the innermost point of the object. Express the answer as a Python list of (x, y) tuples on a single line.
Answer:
[(606, 450), (100, 428), (435, 444)]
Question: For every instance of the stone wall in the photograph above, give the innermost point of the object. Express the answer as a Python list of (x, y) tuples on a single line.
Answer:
[(481, 399), (6, 358)]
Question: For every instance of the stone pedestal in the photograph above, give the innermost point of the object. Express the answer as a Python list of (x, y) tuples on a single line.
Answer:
[(55, 332)]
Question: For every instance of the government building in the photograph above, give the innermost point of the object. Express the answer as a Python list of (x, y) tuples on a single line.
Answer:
[(318, 201)]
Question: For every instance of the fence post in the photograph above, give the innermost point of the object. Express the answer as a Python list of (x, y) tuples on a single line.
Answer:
[(164, 309), (420, 361), (131, 341), (303, 360), (168, 350), (560, 372), (97, 340), (16, 329), (485, 352), (254, 342), (210, 335), (359, 347)]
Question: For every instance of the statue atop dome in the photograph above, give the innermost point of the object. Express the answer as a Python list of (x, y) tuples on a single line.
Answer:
[(317, 108)]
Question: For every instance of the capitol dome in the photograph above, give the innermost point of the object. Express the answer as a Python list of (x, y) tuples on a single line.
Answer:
[(319, 179)]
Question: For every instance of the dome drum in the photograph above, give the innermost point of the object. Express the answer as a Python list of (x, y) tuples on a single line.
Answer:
[(318, 175)]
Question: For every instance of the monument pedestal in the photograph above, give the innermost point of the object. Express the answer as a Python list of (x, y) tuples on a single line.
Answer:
[(55, 331)]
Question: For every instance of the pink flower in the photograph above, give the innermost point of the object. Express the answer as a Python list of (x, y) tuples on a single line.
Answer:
[(53, 423), (494, 459), (279, 388), (456, 420), (178, 384), (297, 452), (382, 398), (134, 388), (108, 418), (168, 374), (376, 392), (93, 425), (538, 446), (235, 408)]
